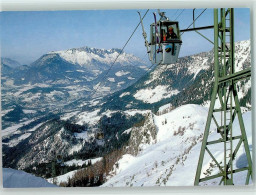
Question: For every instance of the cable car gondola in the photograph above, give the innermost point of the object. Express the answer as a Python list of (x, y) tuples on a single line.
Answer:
[(165, 40)]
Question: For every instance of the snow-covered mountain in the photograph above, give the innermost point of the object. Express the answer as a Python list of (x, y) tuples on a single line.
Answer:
[(170, 155), (126, 117), (94, 59), (75, 65)]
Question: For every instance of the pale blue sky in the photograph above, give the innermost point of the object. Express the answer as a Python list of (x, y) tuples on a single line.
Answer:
[(25, 36)]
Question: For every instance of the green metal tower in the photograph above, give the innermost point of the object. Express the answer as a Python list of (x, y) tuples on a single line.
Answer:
[(225, 91)]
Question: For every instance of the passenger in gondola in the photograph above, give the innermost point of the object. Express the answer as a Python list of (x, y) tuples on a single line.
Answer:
[(164, 35), (171, 34)]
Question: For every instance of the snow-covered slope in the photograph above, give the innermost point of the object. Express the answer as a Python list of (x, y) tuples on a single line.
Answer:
[(64, 178), (19, 179), (172, 160)]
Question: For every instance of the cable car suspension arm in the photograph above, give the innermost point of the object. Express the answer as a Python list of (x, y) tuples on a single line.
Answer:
[(144, 34), (157, 33)]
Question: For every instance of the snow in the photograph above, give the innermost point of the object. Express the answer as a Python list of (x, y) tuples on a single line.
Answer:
[(29, 111), (23, 135), (24, 88), (82, 135), (101, 88), (9, 82), (11, 130), (120, 83), (130, 78), (144, 67), (97, 72), (33, 97), (75, 148), (75, 162), (121, 73), (164, 107), (111, 79), (172, 160), (80, 70), (94, 102), (200, 63), (68, 115), (88, 117), (34, 128), (63, 178), (124, 94), (155, 75), (135, 111), (81, 162), (108, 113), (54, 93), (4, 112), (84, 56), (127, 131), (181, 117), (154, 95), (124, 163), (242, 54), (204, 66), (15, 141), (244, 88), (19, 179)]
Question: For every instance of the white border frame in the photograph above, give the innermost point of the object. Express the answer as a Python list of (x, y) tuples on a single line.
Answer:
[(42, 5)]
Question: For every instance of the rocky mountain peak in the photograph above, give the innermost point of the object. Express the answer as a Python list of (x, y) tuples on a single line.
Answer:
[(142, 135), (10, 62)]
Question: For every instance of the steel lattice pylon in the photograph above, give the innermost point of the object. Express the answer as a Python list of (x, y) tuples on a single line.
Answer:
[(225, 92)]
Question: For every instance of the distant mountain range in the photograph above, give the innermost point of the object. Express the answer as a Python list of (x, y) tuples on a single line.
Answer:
[(59, 78), (78, 65)]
